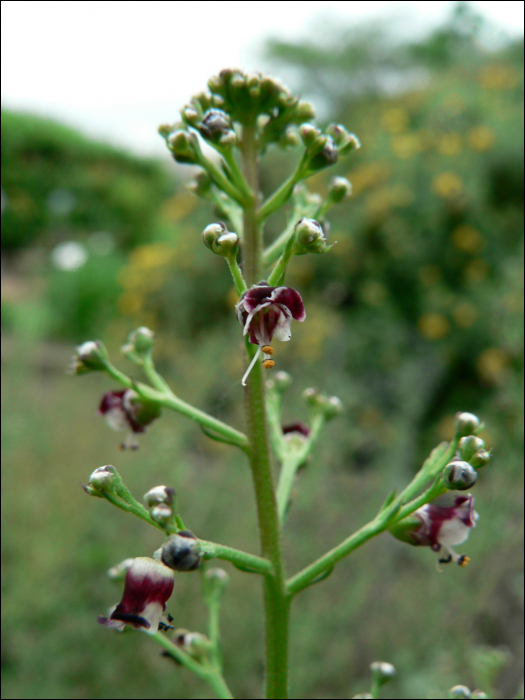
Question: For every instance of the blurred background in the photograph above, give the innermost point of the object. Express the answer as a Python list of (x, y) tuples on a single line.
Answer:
[(415, 314)]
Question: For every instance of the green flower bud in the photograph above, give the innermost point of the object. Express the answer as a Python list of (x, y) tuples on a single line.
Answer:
[(309, 134), (103, 479), (201, 185), (309, 238), (466, 424), (190, 115), (304, 111), (314, 398), (479, 694), (469, 445), (350, 144), (459, 691), (333, 408), (459, 475), (166, 129), (195, 644), (480, 459), (338, 189), (159, 494), (282, 381), (91, 356), (217, 581), (222, 242), (326, 153), (162, 514), (289, 138), (182, 145), (382, 672), (140, 341)]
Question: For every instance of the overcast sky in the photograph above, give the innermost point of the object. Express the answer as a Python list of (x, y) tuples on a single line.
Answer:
[(118, 69)]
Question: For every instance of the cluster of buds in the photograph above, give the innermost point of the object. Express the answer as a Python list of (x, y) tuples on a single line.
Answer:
[(125, 410), (460, 474), (160, 502), (323, 150), (220, 241), (329, 406), (461, 691)]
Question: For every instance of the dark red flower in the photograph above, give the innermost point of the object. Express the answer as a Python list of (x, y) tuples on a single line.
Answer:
[(147, 587), (125, 410), (266, 312)]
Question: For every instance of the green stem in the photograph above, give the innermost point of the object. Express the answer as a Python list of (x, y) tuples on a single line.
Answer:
[(240, 182), (153, 376), (283, 194), (276, 602), (238, 279), (219, 179), (174, 403), (279, 270), (210, 675), (211, 550)]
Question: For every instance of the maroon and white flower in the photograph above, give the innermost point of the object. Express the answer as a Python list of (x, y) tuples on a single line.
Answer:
[(444, 526), (147, 587), (265, 313), (124, 410)]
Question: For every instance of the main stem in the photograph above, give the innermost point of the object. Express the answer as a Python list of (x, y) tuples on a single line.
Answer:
[(276, 601)]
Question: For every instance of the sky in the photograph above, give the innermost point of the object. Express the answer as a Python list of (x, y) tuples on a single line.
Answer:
[(116, 70)]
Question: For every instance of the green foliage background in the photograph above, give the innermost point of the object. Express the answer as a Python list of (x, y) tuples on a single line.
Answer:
[(415, 313)]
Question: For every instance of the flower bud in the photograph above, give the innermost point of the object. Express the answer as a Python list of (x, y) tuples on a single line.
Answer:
[(162, 514), (195, 644), (201, 185), (309, 238), (139, 341), (103, 479), (182, 552), (314, 398), (159, 494), (478, 694), (469, 445), (338, 189), (480, 459), (118, 572), (222, 242), (459, 475), (351, 143), (333, 407), (459, 691), (282, 380), (190, 115), (466, 424), (214, 125), (304, 111), (327, 155), (309, 133), (217, 580), (382, 672), (91, 356), (182, 145)]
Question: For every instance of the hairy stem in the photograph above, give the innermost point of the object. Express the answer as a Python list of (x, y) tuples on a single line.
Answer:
[(276, 603)]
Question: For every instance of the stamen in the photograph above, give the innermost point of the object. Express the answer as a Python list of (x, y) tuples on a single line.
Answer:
[(250, 366), (268, 364), (267, 349)]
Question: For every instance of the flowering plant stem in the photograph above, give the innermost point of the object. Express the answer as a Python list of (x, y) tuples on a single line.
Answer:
[(276, 601)]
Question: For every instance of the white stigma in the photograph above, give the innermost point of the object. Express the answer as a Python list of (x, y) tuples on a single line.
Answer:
[(250, 366)]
